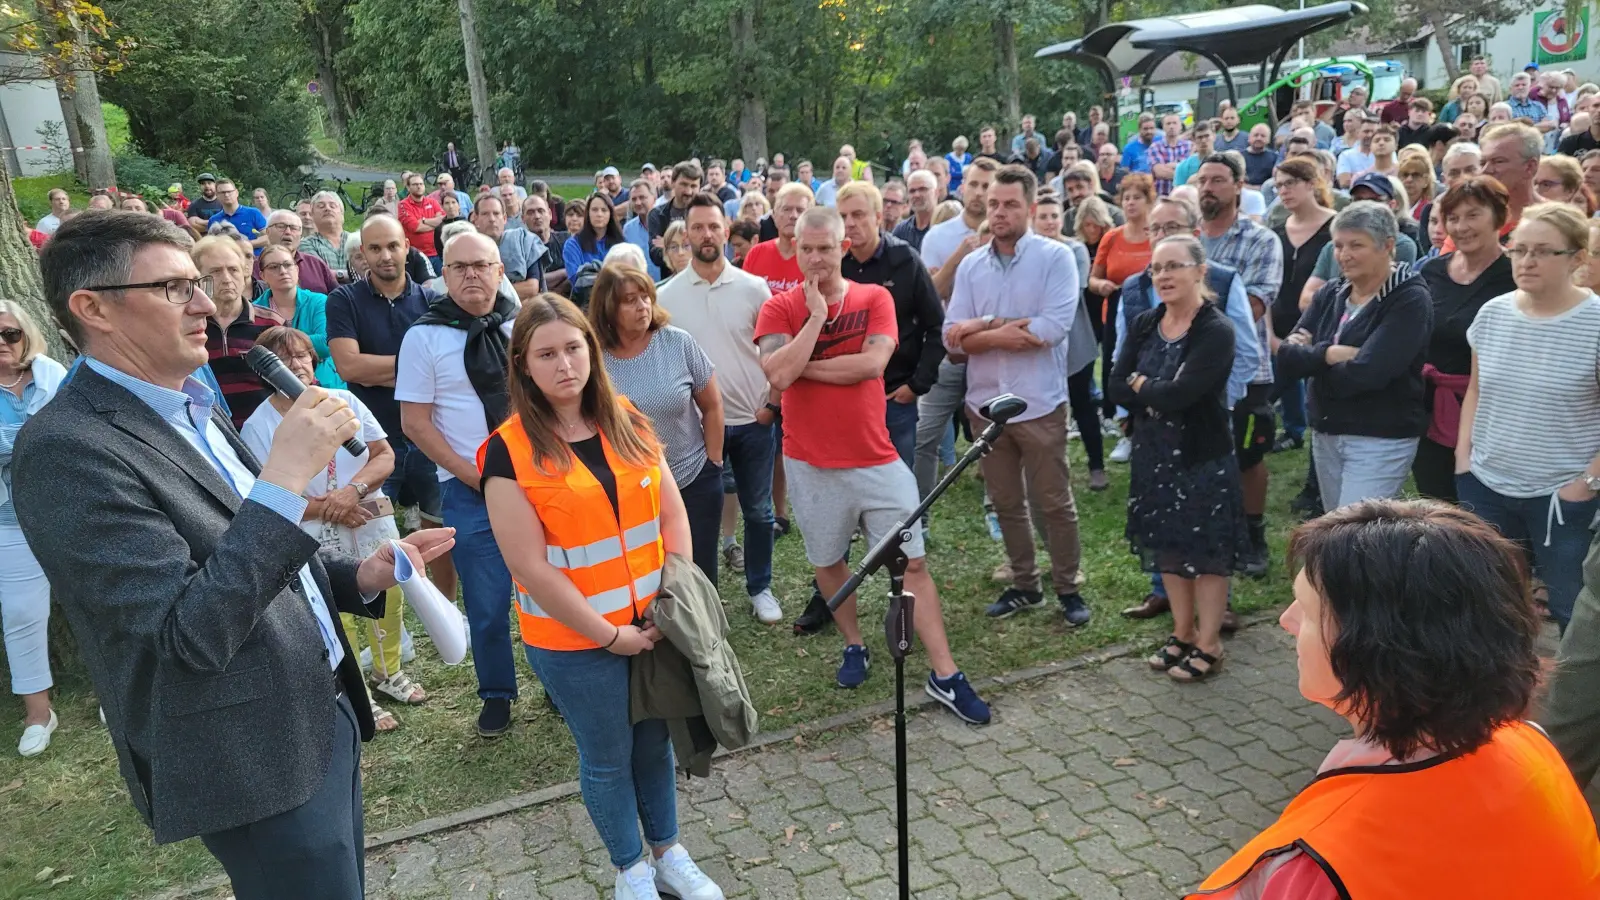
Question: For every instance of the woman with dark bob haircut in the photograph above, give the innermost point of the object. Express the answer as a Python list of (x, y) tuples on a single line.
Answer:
[(1413, 621)]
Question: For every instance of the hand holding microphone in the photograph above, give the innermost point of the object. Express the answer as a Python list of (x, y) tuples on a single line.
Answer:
[(312, 429)]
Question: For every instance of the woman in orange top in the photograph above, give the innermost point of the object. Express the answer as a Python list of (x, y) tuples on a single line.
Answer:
[(585, 510), (1123, 253), (1413, 621)]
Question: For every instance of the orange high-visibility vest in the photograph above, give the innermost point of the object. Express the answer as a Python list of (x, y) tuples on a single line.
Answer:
[(1504, 821), (615, 564)]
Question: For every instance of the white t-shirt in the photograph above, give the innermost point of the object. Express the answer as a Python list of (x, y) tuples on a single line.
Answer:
[(1252, 204), (430, 369), (48, 224), (721, 317), (263, 424), (942, 240)]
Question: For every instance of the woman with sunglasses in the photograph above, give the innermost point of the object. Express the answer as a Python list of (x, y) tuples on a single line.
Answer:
[(1535, 355), (1185, 504), (28, 379), (304, 310)]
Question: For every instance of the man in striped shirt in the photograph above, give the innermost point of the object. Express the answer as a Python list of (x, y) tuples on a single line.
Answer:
[(232, 331), (1166, 153)]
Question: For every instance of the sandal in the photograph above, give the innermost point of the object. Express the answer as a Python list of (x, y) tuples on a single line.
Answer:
[(1171, 654), (400, 688), (383, 720), (1186, 673)]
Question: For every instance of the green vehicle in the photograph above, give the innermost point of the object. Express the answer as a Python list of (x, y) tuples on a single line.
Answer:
[(1325, 82)]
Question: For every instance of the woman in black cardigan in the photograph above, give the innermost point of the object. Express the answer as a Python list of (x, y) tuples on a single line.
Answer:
[(1185, 508), (1362, 344)]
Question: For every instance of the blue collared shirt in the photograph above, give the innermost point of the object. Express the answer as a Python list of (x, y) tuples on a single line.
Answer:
[(1039, 283), (189, 412)]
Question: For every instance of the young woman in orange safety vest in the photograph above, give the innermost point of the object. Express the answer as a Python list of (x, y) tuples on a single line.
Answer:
[(1413, 620), (585, 511)]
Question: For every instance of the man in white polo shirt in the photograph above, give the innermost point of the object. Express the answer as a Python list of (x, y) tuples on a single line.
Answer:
[(446, 385), (718, 304)]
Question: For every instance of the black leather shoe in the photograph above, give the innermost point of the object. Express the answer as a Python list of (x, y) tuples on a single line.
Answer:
[(817, 614), (1151, 606), (495, 718)]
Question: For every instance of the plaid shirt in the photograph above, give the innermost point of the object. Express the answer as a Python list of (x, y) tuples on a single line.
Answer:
[(1161, 152), (1256, 254), (1529, 108)]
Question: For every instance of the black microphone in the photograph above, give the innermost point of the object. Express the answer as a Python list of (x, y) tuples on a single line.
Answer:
[(999, 410), (270, 369)]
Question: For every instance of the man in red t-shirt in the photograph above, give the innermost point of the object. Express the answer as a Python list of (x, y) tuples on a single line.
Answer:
[(775, 260), (419, 216), (824, 344)]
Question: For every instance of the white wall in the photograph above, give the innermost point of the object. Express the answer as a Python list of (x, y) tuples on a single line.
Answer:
[(1511, 47), (26, 106)]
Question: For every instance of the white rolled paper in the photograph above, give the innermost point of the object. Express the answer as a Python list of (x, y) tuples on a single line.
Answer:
[(446, 626)]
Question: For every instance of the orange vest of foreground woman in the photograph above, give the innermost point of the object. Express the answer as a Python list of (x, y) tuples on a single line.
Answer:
[(1505, 821), (615, 564)]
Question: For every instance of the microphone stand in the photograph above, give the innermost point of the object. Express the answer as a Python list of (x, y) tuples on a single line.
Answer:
[(899, 627)]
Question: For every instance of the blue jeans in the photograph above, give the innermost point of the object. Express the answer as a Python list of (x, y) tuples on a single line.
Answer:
[(902, 421), (414, 481), (485, 589), (1353, 467), (625, 771), (1557, 549), (747, 452), (702, 500), (1292, 394)]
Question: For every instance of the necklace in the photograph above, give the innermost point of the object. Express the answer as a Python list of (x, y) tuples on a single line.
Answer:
[(12, 385), (567, 428)]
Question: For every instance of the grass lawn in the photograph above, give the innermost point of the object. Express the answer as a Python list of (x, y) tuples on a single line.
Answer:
[(68, 811)]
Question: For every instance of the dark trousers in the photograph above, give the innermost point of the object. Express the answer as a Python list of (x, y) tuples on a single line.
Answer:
[(901, 419), (1570, 715), (1435, 470), (1080, 396), (1108, 350), (702, 500), (315, 851)]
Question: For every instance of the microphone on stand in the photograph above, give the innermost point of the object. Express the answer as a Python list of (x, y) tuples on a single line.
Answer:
[(271, 370)]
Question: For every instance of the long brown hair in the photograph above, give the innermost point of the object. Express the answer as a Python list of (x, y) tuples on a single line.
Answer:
[(606, 296), (627, 429)]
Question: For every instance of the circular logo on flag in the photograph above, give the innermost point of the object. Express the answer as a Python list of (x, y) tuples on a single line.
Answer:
[(1560, 35)]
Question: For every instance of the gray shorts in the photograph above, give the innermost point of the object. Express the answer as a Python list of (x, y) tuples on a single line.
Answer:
[(830, 504)]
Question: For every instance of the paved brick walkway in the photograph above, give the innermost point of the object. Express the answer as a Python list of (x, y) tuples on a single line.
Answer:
[(1100, 783)]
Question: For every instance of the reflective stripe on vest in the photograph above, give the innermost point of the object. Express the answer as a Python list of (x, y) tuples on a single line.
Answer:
[(603, 550), (605, 602)]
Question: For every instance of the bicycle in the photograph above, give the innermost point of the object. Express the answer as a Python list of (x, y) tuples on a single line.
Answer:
[(311, 185)]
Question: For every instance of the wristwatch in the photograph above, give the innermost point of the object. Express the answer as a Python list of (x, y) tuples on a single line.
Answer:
[(361, 489), (775, 409)]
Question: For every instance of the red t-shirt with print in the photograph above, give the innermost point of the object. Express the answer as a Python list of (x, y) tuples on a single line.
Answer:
[(835, 426), (764, 261)]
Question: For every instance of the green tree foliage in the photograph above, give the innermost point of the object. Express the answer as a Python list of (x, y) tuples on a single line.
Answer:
[(215, 83)]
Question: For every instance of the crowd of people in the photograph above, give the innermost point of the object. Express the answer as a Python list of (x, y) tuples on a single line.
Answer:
[(580, 390)]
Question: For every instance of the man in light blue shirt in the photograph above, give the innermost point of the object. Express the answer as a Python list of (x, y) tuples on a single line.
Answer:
[(1011, 307), (204, 614), (636, 231)]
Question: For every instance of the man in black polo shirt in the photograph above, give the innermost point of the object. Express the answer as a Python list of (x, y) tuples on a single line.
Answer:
[(875, 257), (367, 319)]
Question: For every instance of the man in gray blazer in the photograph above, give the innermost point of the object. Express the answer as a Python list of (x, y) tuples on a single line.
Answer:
[(206, 617)]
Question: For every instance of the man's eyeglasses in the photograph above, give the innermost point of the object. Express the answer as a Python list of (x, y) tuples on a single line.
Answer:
[(480, 268), (179, 290), (1166, 229), (285, 226), (1537, 254), (12, 335)]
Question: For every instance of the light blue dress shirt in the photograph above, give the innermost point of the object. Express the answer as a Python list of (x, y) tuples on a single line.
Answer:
[(189, 412)]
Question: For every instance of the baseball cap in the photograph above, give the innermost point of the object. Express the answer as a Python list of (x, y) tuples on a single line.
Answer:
[(1531, 67), (205, 177), (1376, 183), (175, 188), (611, 170), (648, 167)]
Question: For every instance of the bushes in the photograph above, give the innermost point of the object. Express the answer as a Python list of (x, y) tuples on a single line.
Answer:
[(142, 175)]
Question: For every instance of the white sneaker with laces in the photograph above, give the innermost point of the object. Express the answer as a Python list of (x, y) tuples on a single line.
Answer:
[(637, 882), (35, 738), (1124, 451), (678, 876), (766, 607)]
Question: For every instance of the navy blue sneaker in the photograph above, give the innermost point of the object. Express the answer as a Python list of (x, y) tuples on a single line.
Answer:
[(1013, 601), (957, 695), (853, 671), (1074, 609)]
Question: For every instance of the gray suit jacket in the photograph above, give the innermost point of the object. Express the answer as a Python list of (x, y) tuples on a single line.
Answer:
[(187, 610)]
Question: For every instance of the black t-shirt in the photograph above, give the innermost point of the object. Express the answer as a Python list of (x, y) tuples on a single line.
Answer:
[(201, 208), (1456, 305), (497, 464), (1573, 144)]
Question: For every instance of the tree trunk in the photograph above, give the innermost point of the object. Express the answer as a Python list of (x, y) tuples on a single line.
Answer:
[(332, 91), (746, 83), (482, 130), (1007, 75), (19, 269), (1441, 36), (69, 118), (92, 126)]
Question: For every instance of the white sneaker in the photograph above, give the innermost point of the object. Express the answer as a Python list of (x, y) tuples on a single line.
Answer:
[(637, 882), (766, 607), (1124, 451), (35, 738), (408, 650), (678, 876)]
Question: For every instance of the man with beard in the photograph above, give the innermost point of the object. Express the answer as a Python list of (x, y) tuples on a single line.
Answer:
[(1260, 159), (718, 305), (208, 204), (421, 215), (1256, 254), (1136, 155), (1230, 137), (686, 179)]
